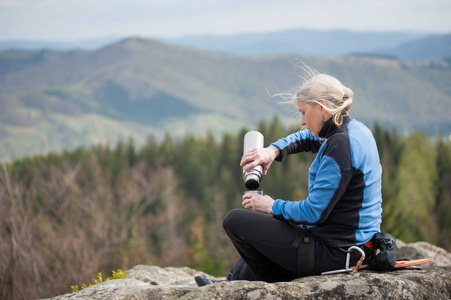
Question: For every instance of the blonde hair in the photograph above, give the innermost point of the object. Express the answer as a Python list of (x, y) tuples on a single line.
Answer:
[(325, 87)]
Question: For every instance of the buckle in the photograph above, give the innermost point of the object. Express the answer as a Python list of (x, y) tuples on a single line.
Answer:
[(348, 269)]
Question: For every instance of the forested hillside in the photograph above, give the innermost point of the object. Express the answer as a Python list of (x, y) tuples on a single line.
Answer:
[(66, 216), (54, 100)]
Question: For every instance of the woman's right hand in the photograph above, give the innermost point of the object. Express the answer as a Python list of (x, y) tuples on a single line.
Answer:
[(260, 156)]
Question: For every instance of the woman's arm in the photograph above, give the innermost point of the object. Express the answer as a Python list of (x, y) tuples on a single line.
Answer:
[(301, 141)]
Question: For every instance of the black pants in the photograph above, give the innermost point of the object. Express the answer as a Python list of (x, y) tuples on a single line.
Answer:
[(264, 243), (266, 247)]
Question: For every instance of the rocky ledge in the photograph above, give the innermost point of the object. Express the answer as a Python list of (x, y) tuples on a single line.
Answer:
[(429, 281)]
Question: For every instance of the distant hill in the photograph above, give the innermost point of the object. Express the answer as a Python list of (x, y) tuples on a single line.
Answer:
[(434, 47), (51, 100), (306, 42), (84, 44), (329, 43)]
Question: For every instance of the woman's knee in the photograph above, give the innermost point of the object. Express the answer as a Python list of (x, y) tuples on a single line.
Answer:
[(233, 218)]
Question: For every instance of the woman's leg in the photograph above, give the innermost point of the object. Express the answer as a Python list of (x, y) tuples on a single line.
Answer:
[(264, 243)]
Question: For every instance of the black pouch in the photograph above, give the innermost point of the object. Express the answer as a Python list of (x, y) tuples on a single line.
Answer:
[(385, 260)]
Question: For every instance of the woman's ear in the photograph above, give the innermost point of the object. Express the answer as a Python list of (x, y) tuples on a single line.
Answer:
[(322, 104)]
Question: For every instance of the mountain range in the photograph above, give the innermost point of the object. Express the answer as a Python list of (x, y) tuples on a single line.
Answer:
[(53, 100), (412, 45), (331, 43)]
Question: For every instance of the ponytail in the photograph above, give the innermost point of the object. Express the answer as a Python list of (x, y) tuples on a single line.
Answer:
[(337, 96)]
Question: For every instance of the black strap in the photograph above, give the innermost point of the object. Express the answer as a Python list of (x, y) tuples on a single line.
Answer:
[(306, 253)]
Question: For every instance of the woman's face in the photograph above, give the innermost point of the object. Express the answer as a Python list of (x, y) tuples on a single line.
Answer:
[(312, 117)]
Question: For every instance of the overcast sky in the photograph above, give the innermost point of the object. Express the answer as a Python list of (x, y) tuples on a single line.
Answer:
[(70, 20)]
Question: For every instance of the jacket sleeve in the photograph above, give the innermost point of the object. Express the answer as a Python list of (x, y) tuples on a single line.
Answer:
[(301, 141)]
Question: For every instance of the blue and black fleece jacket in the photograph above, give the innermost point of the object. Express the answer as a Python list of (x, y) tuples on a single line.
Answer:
[(344, 203)]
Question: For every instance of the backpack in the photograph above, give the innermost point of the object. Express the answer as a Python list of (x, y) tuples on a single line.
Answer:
[(384, 259)]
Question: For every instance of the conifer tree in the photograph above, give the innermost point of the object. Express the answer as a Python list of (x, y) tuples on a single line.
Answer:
[(443, 205), (409, 216), (149, 152)]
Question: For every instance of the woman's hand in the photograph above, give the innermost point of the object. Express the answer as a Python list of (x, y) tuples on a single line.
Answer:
[(260, 156), (258, 203)]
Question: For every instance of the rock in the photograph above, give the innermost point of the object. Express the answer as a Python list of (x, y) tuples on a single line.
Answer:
[(431, 281), (144, 282), (419, 250), (168, 276), (419, 283)]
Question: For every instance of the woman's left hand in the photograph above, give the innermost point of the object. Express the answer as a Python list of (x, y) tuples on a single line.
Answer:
[(258, 203)]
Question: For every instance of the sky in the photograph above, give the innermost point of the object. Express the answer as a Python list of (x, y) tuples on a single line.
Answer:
[(72, 20)]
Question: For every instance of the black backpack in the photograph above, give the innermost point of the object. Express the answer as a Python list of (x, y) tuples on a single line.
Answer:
[(385, 259)]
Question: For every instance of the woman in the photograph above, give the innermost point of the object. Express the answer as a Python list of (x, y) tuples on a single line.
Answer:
[(343, 207)]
